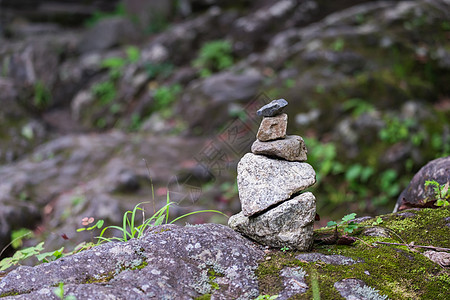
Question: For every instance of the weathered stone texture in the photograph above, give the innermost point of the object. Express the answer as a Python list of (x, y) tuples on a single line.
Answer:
[(292, 148), (168, 262), (263, 182), (272, 128), (289, 224)]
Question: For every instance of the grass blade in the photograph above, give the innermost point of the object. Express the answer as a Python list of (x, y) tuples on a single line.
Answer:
[(199, 211)]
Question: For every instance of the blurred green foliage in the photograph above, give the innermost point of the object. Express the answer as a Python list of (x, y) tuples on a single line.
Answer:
[(159, 70), (441, 192), (104, 91), (341, 181), (42, 95), (214, 56), (100, 15), (164, 96), (17, 237)]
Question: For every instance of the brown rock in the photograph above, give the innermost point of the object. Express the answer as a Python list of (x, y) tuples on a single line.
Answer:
[(292, 148), (272, 128)]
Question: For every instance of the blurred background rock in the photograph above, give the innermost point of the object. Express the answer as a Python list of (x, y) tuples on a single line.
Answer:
[(91, 89)]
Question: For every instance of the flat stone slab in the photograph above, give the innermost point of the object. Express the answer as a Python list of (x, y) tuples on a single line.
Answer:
[(328, 259), (292, 148), (355, 289), (263, 182), (294, 282), (273, 108), (272, 128), (288, 224)]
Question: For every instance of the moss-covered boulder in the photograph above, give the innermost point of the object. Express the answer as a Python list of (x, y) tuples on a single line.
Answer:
[(388, 257), (368, 269)]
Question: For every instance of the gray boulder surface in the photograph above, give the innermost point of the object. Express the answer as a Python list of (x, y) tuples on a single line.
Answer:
[(415, 192), (294, 282), (327, 259), (356, 289), (288, 224), (168, 262), (292, 148), (273, 128), (264, 182), (273, 108), (107, 33)]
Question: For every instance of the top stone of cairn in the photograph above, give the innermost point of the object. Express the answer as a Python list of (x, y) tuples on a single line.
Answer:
[(273, 108)]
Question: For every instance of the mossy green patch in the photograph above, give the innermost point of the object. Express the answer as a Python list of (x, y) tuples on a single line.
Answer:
[(9, 294), (141, 266), (204, 297), (395, 271)]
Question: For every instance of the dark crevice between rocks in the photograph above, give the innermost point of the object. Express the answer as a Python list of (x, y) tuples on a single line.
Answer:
[(277, 204)]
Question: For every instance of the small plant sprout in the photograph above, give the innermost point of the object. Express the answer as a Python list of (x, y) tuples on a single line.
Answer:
[(441, 192), (59, 292), (349, 225), (266, 297), (86, 221), (284, 249), (129, 229), (378, 221)]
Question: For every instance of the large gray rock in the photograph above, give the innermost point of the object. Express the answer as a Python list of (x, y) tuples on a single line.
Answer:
[(291, 148), (150, 14), (107, 33), (289, 224), (263, 182), (169, 262), (415, 192), (273, 128), (205, 100)]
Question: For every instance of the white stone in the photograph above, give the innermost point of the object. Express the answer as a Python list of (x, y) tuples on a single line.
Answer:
[(289, 224), (263, 182)]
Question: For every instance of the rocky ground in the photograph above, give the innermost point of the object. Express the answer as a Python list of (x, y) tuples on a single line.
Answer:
[(212, 261), (84, 105)]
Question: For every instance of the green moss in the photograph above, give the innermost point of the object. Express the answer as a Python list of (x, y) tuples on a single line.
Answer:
[(204, 297), (141, 266), (100, 279), (9, 294), (396, 271)]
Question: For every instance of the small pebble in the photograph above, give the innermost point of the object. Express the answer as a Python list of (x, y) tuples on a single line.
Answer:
[(273, 108)]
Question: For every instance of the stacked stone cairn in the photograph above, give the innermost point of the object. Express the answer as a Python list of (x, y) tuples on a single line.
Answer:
[(270, 181)]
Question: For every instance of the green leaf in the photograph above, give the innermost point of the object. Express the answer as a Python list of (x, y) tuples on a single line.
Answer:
[(59, 291), (113, 63), (331, 224), (348, 217), (6, 263), (17, 237), (133, 53), (44, 255), (378, 221), (350, 227), (100, 223), (353, 172), (366, 173)]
